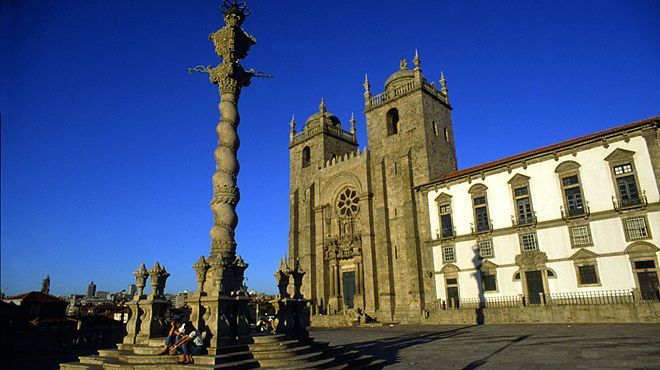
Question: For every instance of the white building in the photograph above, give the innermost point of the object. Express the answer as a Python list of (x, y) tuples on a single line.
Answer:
[(578, 216)]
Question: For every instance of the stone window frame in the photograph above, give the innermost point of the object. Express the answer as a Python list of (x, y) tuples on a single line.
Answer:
[(620, 157), (646, 224), (492, 247), (488, 268), (582, 258), (521, 242), (574, 225), (568, 169), (519, 181), (444, 254), (444, 200), (478, 191)]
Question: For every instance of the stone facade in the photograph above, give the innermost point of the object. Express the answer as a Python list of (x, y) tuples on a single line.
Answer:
[(355, 220)]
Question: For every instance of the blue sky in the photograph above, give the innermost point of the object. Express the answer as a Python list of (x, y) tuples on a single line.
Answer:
[(107, 143)]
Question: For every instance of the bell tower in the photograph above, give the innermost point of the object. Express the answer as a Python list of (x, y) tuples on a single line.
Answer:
[(411, 142)]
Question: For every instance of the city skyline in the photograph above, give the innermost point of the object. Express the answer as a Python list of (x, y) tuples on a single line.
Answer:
[(107, 142)]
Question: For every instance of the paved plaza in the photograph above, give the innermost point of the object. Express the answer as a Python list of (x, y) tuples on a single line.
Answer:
[(598, 346)]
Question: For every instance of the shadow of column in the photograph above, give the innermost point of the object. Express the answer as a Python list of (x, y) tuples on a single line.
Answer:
[(477, 262)]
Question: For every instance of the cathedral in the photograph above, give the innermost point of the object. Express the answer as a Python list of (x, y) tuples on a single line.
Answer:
[(356, 224), (398, 233)]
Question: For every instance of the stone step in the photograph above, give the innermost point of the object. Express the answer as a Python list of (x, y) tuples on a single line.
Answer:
[(268, 338), (147, 359), (298, 360), (146, 350), (270, 346), (244, 364), (224, 358), (280, 353), (79, 366), (112, 352), (97, 360)]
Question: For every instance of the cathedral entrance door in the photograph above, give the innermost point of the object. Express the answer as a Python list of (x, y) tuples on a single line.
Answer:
[(348, 280), (534, 286)]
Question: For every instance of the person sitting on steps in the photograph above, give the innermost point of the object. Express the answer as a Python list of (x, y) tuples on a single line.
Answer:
[(173, 335), (191, 343)]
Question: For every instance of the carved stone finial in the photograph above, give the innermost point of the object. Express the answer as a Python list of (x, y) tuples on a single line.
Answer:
[(416, 60), (443, 83), (322, 106), (352, 122), (367, 85), (282, 277), (403, 64), (45, 285), (141, 275), (158, 278), (201, 267), (292, 125), (297, 274)]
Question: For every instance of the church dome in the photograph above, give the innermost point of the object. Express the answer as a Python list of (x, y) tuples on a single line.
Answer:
[(329, 117), (399, 78)]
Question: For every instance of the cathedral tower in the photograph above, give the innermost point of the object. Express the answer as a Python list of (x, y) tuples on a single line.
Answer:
[(411, 142)]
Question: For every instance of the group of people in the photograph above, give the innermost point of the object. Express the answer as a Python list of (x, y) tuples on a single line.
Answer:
[(183, 338)]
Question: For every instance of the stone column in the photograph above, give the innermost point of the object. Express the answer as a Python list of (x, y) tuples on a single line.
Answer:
[(221, 302)]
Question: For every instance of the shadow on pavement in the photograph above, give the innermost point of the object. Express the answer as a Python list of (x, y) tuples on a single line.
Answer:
[(388, 348)]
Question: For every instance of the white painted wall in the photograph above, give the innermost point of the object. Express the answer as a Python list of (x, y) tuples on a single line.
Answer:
[(597, 187)]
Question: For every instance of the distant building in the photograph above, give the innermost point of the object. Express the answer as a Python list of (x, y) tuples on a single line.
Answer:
[(91, 290), (33, 305), (132, 290), (102, 294), (45, 285)]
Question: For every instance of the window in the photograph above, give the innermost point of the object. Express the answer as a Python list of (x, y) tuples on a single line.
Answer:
[(580, 236), (481, 213), (449, 254), (573, 196), (435, 129), (489, 282), (587, 275), (624, 168), (306, 157), (523, 206), (392, 121), (574, 203), (485, 249), (624, 176), (446, 134), (636, 228), (446, 230), (586, 268), (528, 242), (522, 200), (480, 208)]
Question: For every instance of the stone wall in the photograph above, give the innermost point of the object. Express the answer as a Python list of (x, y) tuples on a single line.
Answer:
[(640, 312)]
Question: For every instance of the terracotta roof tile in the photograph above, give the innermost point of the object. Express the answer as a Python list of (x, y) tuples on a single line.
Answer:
[(545, 149)]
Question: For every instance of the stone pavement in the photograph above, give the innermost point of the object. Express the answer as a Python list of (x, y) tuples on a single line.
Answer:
[(539, 346)]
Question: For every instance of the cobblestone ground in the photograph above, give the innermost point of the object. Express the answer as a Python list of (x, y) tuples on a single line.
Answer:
[(600, 346)]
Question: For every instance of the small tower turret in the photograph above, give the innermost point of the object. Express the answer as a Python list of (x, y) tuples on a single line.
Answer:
[(352, 122), (443, 85), (367, 90), (292, 124)]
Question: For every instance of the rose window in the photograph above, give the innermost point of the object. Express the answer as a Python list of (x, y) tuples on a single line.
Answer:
[(347, 204)]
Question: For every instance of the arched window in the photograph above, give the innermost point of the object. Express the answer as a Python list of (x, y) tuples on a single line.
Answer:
[(392, 121), (306, 157)]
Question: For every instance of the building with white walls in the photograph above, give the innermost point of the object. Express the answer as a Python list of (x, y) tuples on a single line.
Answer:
[(578, 216)]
